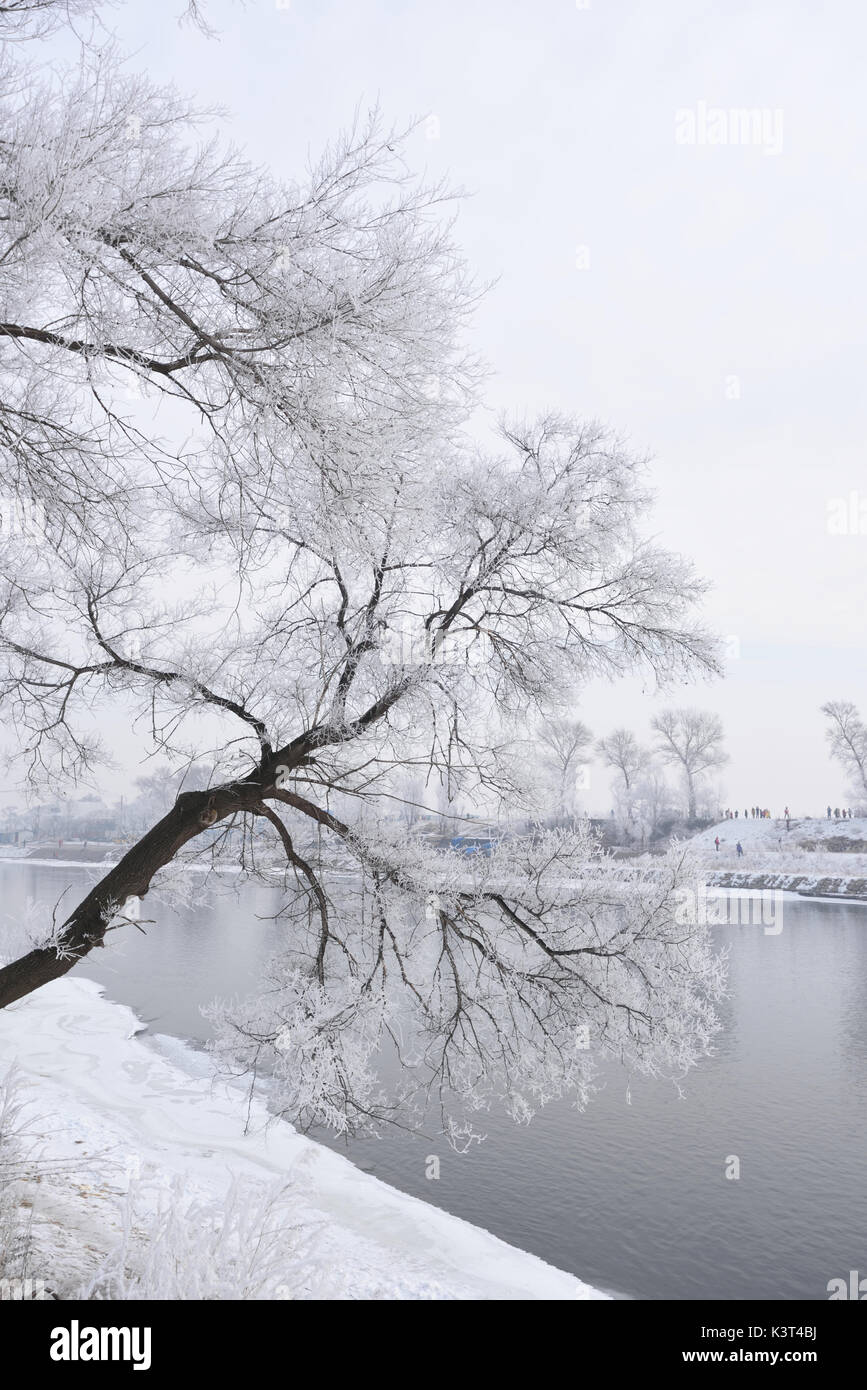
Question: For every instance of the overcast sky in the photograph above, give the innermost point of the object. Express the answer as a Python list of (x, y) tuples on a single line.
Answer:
[(705, 298)]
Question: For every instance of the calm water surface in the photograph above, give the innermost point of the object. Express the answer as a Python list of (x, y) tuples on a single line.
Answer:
[(631, 1196)]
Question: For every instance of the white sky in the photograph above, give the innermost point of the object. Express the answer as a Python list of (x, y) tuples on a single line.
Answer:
[(706, 262)]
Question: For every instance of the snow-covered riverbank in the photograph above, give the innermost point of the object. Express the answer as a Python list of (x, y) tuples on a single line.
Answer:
[(805, 834), (117, 1113), (851, 888), (814, 857)]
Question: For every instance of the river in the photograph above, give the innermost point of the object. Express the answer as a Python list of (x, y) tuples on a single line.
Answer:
[(631, 1195)]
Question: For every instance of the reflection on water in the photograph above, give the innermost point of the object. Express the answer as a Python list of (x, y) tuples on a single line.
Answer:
[(630, 1196)]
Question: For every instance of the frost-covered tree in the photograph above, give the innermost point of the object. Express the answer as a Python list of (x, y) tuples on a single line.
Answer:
[(563, 747), (847, 737), (654, 800), (29, 19), (621, 751), (255, 528), (691, 740)]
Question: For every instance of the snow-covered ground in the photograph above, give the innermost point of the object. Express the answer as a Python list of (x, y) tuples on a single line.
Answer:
[(135, 1123), (811, 845), (772, 834)]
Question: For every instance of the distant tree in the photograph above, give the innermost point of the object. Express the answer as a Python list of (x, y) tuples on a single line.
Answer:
[(411, 797), (847, 736), (157, 791), (622, 751), (691, 740), (564, 749), (654, 799)]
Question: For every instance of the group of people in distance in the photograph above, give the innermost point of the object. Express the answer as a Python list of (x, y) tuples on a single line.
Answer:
[(846, 813), (837, 813), (754, 811)]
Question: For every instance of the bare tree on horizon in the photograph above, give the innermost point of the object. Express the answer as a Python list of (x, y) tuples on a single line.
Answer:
[(847, 738), (691, 740)]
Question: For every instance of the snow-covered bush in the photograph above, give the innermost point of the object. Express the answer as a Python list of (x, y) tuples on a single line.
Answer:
[(184, 1247), (14, 1230)]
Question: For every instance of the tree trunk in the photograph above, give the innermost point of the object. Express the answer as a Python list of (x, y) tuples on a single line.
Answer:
[(192, 813)]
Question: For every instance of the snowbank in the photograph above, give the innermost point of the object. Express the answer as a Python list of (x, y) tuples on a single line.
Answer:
[(805, 832), (114, 1108), (815, 856), (848, 887)]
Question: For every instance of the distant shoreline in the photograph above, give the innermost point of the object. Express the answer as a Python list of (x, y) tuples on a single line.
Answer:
[(837, 888), (828, 887)]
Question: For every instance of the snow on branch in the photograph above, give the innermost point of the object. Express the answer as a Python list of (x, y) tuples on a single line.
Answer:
[(505, 983)]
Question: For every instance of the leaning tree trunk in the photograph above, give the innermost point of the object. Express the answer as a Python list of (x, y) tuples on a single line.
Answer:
[(192, 813)]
